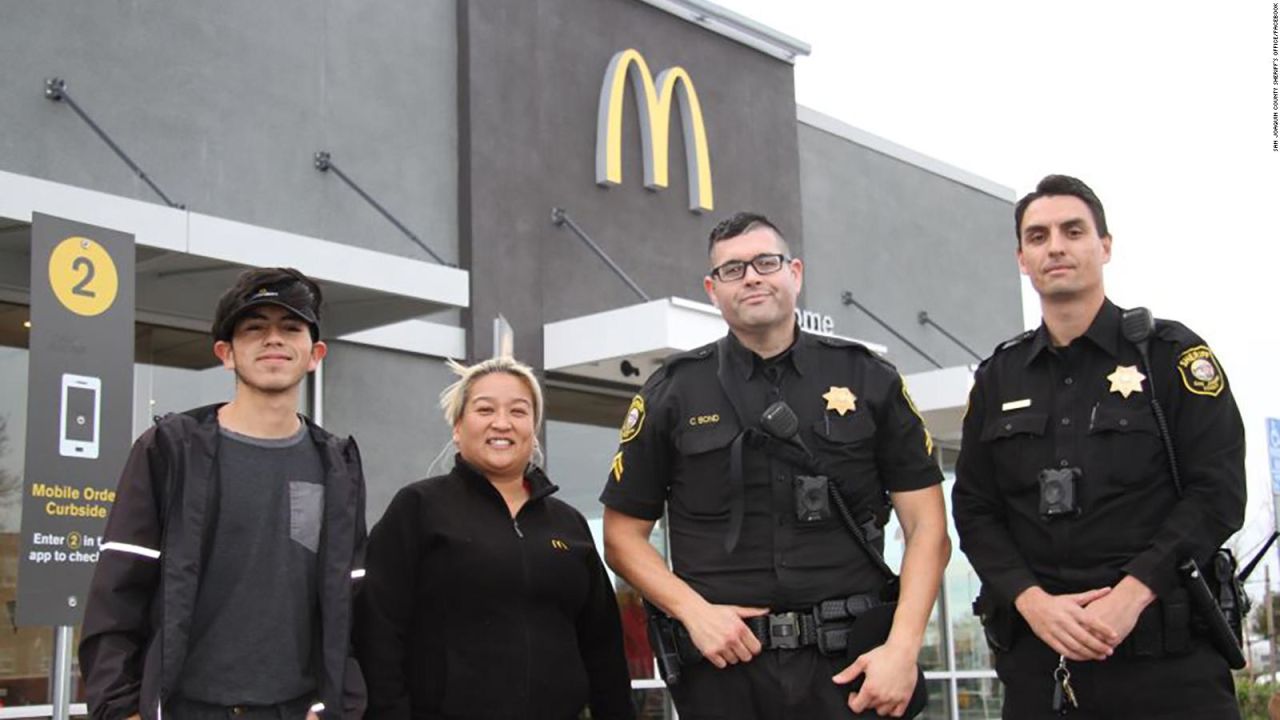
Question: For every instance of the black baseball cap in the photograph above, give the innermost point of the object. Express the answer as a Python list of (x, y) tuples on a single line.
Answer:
[(282, 287)]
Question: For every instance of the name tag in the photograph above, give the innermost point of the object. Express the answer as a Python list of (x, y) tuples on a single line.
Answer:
[(1016, 405)]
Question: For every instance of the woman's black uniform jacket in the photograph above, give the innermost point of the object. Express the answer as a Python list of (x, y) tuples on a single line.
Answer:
[(467, 613), (137, 623)]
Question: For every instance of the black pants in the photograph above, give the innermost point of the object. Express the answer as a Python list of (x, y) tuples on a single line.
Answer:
[(775, 685), (1193, 686), (183, 709)]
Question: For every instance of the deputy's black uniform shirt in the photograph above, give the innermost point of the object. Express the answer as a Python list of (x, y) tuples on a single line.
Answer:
[(675, 451), (1087, 405)]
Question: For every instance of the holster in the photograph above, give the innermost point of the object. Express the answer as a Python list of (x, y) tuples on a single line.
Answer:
[(1216, 622), (662, 638), (997, 620)]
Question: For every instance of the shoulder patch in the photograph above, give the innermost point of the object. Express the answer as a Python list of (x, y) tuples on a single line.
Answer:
[(634, 420), (1200, 371)]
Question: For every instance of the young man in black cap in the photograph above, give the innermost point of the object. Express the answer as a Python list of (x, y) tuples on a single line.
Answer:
[(225, 581)]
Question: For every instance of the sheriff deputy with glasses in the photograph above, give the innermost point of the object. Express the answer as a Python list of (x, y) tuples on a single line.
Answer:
[(766, 572)]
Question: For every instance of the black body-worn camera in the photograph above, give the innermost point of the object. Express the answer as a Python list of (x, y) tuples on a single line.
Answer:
[(1058, 491), (812, 501)]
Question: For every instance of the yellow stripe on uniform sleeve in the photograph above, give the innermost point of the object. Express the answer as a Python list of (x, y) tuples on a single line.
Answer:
[(928, 437), (617, 467)]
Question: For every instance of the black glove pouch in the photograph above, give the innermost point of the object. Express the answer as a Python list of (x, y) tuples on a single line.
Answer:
[(869, 631)]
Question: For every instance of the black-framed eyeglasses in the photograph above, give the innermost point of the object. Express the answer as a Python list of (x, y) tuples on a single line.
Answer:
[(734, 270)]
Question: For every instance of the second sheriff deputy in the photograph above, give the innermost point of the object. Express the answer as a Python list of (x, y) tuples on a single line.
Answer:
[(1064, 500), (741, 550)]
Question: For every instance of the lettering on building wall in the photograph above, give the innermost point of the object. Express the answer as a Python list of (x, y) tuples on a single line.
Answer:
[(653, 98), (815, 322)]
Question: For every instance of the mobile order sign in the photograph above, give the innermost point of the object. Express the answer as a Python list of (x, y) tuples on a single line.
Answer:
[(79, 410)]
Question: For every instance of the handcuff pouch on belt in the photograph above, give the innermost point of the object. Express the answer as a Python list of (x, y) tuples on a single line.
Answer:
[(835, 620)]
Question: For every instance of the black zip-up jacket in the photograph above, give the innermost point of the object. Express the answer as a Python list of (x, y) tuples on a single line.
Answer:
[(469, 613), (137, 623)]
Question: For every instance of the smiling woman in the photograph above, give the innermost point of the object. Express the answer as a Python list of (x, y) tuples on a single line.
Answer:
[(495, 408), (483, 593)]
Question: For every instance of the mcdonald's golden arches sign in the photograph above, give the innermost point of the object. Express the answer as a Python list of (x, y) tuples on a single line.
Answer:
[(653, 106)]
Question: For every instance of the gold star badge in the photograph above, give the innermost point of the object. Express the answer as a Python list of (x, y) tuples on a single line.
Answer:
[(1126, 379), (840, 399)]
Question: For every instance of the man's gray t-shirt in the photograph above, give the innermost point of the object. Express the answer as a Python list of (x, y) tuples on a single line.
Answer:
[(256, 623)]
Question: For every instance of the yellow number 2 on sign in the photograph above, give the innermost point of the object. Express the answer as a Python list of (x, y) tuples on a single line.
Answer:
[(83, 276)]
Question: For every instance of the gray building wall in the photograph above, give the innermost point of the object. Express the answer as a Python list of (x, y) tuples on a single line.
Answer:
[(223, 105), (533, 72), (903, 239), (470, 120), (390, 402)]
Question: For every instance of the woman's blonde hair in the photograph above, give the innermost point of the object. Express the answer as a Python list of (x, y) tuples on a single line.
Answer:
[(453, 399)]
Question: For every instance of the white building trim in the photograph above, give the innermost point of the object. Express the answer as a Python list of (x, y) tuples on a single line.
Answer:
[(735, 27), (206, 236)]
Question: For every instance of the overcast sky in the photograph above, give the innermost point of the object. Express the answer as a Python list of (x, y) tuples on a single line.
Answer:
[(1164, 108)]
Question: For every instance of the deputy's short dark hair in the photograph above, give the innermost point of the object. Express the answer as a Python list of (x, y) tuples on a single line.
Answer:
[(741, 223), (1053, 185)]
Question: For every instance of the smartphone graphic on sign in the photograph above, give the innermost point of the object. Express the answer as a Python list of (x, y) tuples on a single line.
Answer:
[(80, 415)]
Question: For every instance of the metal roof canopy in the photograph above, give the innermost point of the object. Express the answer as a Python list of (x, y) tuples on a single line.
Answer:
[(595, 347), (186, 260)]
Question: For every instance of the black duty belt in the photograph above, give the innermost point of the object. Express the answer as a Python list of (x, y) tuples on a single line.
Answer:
[(784, 631), (825, 626)]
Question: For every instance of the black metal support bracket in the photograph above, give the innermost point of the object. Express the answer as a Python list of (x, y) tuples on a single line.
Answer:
[(924, 319), (55, 89), (324, 163), (561, 218), (846, 298)]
